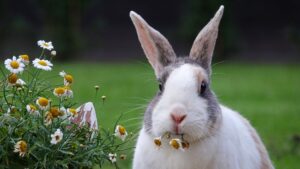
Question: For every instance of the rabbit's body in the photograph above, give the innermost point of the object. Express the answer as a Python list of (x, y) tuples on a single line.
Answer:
[(234, 146), (187, 109)]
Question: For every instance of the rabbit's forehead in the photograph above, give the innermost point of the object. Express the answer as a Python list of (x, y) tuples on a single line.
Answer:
[(186, 75)]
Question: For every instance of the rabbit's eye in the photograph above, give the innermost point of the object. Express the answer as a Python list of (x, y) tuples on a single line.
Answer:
[(160, 87), (203, 87)]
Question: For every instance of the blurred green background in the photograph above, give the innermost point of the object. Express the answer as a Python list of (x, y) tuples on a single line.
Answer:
[(256, 68)]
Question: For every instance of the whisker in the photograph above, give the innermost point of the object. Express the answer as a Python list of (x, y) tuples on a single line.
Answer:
[(133, 125), (136, 131), (133, 109), (217, 63), (132, 119), (140, 99)]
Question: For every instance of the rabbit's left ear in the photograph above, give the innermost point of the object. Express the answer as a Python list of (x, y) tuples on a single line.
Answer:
[(204, 44), (158, 50)]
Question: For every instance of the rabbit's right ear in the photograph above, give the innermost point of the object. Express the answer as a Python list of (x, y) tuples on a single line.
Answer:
[(156, 47), (204, 44)]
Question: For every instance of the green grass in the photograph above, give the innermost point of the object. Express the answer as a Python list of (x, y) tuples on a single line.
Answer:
[(267, 95)]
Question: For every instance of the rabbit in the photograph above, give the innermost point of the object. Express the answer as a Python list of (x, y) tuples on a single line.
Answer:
[(185, 107)]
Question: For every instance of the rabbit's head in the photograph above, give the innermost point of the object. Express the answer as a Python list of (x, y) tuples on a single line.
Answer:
[(185, 104)]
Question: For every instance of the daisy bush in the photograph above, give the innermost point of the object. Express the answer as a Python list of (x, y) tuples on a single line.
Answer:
[(37, 128)]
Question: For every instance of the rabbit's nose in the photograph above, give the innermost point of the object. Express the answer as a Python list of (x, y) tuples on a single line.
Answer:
[(178, 118)]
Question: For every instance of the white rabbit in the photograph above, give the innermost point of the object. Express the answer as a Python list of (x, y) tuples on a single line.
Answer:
[(185, 106)]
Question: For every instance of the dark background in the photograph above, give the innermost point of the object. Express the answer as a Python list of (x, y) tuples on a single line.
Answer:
[(251, 30)]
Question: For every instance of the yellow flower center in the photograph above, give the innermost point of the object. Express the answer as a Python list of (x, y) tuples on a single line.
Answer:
[(55, 112), (46, 44), (25, 57), (23, 146), (123, 157), (43, 63), (32, 107), (12, 78), (157, 142), (73, 111), (69, 78), (14, 64), (59, 90), (43, 101), (185, 145), (174, 143), (122, 130)]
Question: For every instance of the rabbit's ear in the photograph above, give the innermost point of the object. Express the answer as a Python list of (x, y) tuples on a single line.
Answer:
[(204, 44), (156, 47)]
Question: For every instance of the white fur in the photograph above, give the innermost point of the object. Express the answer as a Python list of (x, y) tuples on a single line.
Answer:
[(231, 147)]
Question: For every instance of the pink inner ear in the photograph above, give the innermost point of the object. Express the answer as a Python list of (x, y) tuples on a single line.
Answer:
[(156, 47), (147, 44)]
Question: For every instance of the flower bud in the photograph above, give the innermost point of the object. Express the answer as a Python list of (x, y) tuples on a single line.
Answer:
[(53, 53)]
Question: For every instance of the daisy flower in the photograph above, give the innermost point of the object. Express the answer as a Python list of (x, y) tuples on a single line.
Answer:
[(63, 113), (24, 59), (56, 137), (97, 87), (56, 112), (185, 144), (32, 109), (12, 79), (72, 112), (120, 132), (112, 157), (176, 144), (21, 148), (68, 79), (123, 157), (43, 103), (157, 141), (53, 53), (60, 91), (103, 98), (42, 64), (14, 65), (45, 45)]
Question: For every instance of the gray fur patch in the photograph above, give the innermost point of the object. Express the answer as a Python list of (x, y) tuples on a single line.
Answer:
[(166, 52), (148, 113), (213, 109)]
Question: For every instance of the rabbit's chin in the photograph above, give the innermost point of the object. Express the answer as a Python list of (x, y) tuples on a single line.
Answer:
[(196, 136), (193, 139)]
